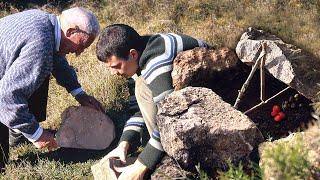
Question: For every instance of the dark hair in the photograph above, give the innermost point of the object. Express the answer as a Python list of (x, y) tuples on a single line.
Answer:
[(117, 40)]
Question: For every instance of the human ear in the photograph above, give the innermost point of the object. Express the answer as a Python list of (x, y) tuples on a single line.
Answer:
[(134, 54), (70, 31)]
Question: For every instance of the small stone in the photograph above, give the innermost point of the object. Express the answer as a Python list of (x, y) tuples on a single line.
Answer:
[(285, 105), (104, 169), (291, 99), (85, 128)]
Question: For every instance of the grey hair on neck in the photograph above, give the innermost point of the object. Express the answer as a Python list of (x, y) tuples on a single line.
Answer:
[(82, 18)]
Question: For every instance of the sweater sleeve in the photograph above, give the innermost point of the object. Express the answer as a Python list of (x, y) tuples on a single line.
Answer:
[(157, 74), (65, 74), (133, 128), (32, 64)]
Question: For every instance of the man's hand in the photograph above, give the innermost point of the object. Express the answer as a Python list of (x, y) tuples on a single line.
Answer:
[(46, 140), (135, 171), (90, 101), (119, 152)]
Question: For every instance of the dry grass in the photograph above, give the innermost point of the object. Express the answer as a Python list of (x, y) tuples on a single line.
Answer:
[(220, 23)]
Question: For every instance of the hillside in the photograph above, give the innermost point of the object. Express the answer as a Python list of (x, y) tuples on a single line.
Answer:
[(220, 23)]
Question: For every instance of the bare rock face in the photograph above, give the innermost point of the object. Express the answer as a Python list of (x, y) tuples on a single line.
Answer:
[(195, 66), (169, 169), (288, 63), (85, 128), (196, 125)]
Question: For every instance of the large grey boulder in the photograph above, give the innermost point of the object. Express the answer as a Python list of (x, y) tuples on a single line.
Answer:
[(85, 128), (197, 126), (198, 65), (288, 63)]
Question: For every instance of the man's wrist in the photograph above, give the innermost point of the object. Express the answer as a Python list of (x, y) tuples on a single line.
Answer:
[(124, 144), (77, 92), (142, 168), (36, 135)]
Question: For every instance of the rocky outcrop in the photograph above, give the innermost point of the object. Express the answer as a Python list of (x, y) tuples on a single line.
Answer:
[(288, 63), (85, 128), (197, 126), (275, 154), (198, 65)]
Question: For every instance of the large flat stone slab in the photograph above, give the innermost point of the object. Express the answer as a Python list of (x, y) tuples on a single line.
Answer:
[(85, 128)]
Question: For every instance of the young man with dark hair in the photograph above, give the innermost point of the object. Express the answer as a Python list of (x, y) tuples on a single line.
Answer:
[(127, 53)]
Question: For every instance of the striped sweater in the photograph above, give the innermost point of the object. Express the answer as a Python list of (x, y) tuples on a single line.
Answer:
[(27, 57), (156, 63)]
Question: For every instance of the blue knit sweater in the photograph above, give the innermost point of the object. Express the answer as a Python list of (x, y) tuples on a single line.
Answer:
[(27, 57)]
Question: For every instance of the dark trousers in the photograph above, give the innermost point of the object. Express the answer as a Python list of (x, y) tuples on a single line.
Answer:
[(37, 104)]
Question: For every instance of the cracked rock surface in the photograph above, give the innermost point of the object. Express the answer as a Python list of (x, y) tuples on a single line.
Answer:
[(85, 128), (197, 126)]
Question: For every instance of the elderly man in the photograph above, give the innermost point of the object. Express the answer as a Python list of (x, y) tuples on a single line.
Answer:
[(33, 44)]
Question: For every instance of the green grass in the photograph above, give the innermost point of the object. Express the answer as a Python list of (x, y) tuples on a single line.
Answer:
[(287, 161), (238, 172), (220, 23)]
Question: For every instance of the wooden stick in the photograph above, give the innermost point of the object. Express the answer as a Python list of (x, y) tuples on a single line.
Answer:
[(262, 73), (246, 83), (264, 102)]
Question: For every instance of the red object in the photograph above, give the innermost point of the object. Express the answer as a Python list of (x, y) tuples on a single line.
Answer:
[(276, 109), (282, 115), (274, 113), (277, 118)]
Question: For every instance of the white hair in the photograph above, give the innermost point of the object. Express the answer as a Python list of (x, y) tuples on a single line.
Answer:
[(82, 18)]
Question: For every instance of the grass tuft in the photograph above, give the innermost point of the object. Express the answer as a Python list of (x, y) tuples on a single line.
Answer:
[(287, 161)]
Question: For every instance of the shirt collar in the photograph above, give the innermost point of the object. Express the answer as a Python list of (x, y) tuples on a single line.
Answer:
[(57, 33)]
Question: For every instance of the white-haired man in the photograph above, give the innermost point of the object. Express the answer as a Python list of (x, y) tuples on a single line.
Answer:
[(33, 45)]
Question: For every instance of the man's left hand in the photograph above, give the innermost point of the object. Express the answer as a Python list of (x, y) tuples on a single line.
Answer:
[(90, 101), (135, 171)]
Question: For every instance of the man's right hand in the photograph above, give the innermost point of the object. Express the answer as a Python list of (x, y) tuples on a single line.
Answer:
[(46, 140), (120, 152)]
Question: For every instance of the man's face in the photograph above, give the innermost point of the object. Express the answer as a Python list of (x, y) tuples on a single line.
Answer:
[(122, 67), (76, 43)]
